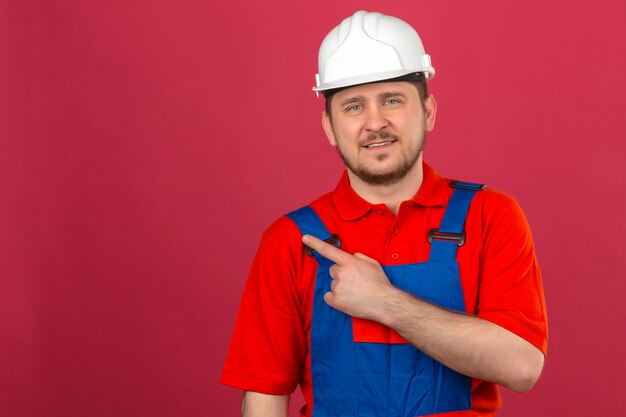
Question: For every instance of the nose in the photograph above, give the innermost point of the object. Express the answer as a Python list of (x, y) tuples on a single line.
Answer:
[(376, 119)]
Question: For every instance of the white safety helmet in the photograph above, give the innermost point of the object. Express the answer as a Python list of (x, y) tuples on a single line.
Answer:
[(369, 47)]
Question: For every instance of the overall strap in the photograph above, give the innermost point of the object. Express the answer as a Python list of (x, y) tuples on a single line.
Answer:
[(450, 235), (310, 223)]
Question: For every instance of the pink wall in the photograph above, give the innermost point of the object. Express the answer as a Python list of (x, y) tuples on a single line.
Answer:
[(145, 145)]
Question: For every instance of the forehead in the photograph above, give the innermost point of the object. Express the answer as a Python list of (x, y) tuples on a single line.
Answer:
[(374, 90)]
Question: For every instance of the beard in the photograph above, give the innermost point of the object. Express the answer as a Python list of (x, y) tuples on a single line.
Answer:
[(393, 174)]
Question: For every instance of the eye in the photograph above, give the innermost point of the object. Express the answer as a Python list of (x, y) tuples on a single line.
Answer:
[(392, 101), (354, 107)]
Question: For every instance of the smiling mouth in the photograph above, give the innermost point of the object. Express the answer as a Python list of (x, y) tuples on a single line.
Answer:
[(379, 144)]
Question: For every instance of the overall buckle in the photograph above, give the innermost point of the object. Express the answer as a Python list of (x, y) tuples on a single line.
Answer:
[(435, 234), (467, 185), (333, 240)]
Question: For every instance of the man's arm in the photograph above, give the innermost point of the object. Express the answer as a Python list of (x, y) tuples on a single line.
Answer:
[(467, 344), (255, 404)]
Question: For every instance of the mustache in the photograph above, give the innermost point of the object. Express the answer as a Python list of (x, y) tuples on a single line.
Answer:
[(382, 135)]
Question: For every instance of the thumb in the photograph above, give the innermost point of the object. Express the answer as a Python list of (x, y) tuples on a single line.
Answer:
[(329, 298)]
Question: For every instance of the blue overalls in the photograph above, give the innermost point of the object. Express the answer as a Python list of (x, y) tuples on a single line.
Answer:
[(353, 379)]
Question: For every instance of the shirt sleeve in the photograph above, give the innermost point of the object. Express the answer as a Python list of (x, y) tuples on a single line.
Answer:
[(268, 346), (511, 292)]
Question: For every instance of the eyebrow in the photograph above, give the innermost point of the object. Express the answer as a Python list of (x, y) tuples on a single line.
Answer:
[(350, 100), (392, 94), (382, 96)]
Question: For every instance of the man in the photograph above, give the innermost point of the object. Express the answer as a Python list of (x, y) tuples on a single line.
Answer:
[(400, 293)]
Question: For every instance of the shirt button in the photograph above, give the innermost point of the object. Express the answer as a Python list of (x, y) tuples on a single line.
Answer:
[(394, 256), (380, 212), (394, 230)]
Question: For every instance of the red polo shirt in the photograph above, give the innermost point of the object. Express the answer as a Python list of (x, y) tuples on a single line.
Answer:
[(498, 268)]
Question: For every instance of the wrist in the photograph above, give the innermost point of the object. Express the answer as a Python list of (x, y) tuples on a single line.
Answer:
[(393, 302)]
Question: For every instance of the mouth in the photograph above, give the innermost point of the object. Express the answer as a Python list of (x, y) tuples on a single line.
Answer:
[(375, 145)]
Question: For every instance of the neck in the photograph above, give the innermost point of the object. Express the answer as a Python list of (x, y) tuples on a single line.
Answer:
[(391, 195)]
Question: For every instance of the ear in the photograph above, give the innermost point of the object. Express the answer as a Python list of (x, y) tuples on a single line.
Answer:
[(430, 111), (328, 129)]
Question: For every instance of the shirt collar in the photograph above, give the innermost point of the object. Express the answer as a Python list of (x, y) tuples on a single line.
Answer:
[(435, 191)]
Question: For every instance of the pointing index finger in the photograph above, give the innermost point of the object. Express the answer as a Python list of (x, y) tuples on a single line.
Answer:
[(325, 249)]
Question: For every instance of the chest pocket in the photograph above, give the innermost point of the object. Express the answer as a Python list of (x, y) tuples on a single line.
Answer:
[(436, 282), (367, 331)]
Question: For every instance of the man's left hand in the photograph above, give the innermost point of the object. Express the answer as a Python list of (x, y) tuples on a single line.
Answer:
[(359, 285)]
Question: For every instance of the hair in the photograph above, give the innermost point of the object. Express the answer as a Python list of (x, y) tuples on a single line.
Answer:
[(422, 90)]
